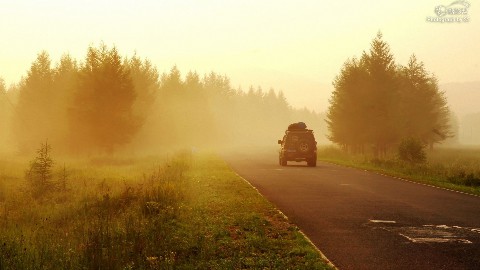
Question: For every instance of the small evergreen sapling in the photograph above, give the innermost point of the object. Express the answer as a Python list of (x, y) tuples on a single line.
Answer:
[(40, 174)]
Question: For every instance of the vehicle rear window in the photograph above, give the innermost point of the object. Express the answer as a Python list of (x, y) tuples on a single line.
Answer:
[(294, 138)]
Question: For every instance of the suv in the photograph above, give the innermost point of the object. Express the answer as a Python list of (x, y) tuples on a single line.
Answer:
[(298, 144)]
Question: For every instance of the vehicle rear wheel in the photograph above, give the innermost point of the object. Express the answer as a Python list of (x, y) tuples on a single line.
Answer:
[(312, 162)]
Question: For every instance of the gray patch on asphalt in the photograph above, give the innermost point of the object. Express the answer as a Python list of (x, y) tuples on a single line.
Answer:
[(382, 221), (429, 233)]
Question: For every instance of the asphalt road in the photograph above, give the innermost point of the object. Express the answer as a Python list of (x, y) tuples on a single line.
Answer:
[(363, 220)]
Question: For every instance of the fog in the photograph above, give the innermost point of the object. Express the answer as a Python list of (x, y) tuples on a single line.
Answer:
[(296, 48), (463, 99), (108, 104)]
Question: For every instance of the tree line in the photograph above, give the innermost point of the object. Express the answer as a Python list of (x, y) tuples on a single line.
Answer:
[(377, 103), (106, 103)]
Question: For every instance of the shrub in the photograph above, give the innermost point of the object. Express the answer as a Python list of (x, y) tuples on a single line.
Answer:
[(464, 178), (412, 151)]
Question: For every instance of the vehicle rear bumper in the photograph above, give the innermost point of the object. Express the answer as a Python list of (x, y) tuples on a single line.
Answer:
[(296, 156)]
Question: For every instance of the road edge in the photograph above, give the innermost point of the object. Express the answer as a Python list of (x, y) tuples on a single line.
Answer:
[(400, 178), (327, 261)]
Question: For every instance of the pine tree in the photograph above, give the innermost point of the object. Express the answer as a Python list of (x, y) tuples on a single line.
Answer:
[(102, 116), (63, 89), (33, 112), (4, 114), (40, 173), (376, 103), (382, 98), (422, 101), (146, 82), (350, 107)]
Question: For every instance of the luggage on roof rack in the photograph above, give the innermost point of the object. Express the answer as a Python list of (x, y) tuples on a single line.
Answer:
[(299, 125)]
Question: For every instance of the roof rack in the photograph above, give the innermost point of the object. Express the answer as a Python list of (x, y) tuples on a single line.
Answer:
[(299, 130)]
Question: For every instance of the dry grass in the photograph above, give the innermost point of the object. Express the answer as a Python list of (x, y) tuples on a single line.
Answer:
[(186, 213)]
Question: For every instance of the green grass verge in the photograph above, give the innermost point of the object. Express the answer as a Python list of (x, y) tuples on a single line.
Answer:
[(455, 169), (191, 212), (243, 229)]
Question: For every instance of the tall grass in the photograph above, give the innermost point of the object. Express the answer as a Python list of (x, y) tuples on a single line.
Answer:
[(455, 168), (97, 223), (187, 213)]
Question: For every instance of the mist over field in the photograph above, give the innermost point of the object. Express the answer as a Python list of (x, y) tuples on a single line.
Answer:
[(102, 166), (125, 126), (217, 73), (463, 100), (107, 103)]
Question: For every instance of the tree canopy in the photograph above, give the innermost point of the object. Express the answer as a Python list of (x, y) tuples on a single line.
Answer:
[(107, 103), (377, 103), (102, 111)]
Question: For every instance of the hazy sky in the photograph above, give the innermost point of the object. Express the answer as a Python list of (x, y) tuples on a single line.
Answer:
[(294, 46)]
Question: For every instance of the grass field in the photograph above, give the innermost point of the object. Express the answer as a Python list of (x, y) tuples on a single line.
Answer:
[(182, 212), (452, 168)]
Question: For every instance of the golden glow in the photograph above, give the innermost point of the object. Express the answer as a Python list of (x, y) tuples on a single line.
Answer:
[(297, 47)]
